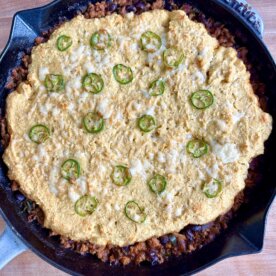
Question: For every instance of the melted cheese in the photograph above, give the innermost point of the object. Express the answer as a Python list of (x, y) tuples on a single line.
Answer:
[(228, 153)]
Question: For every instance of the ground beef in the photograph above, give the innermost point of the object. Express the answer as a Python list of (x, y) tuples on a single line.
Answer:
[(5, 136), (19, 74), (96, 10), (192, 237)]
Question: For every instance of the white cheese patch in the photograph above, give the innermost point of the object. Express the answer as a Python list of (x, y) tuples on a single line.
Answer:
[(172, 158), (105, 191), (82, 182), (53, 178), (147, 165), (43, 110), (189, 136), (137, 168), (56, 111), (180, 69), (222, 125), (129, 15), (178, 212), (151, 156), (117, 207), (164, 105), (83, 158), (42, 88), (237, 116), (42, 153), (204, 52), (36, 158), (119, 117), (61, 123), (58, 146), (104, 108), (73, 194), (175, 156), (108, 207), (227, 178), (213, 171), (49, 106), (151, 111), (137, 106), (228, 153), (105, 62), (77, 83), (199, 76), (134, 47), (43, 71), (26, 137), (89, 67), (161, 157), (168, 197), (145, 93), (63, 186), (212, 187), (136, 217), (102, 169), (151, 57), (97, 57), (77, 54), (83, 98), (54, 95), (71, 107), (169, 208), (200, 175), (21, 154)]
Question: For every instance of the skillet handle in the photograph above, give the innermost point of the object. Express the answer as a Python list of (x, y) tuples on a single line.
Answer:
[(10, 246), (248, 14)]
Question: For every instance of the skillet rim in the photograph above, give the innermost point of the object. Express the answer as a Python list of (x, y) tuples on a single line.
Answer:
[(253, 249)]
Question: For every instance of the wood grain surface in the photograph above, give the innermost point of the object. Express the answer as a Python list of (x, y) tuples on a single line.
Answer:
[(262, 264)]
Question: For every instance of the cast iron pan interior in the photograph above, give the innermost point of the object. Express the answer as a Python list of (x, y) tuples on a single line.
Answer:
[(245, 234)]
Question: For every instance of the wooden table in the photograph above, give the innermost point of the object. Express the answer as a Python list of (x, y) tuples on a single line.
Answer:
[(260, 264)]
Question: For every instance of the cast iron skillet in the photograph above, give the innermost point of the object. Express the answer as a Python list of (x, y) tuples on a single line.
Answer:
[(245, 234)]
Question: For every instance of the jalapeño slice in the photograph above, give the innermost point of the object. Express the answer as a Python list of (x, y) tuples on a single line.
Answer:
[(146, 123), (212, 189), (157, 184), (150, 42), (122, 74), (64, 42), (93, 83), (197, 148), (121, 176), (54, 83), (173, 57), (86, 205), (39, 133), (70, 170), (93, 122), (202, 99), (157, 88), (100, 40), (134, 212)]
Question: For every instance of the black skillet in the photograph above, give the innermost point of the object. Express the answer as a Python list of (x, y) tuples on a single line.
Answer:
[(245, 234)]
